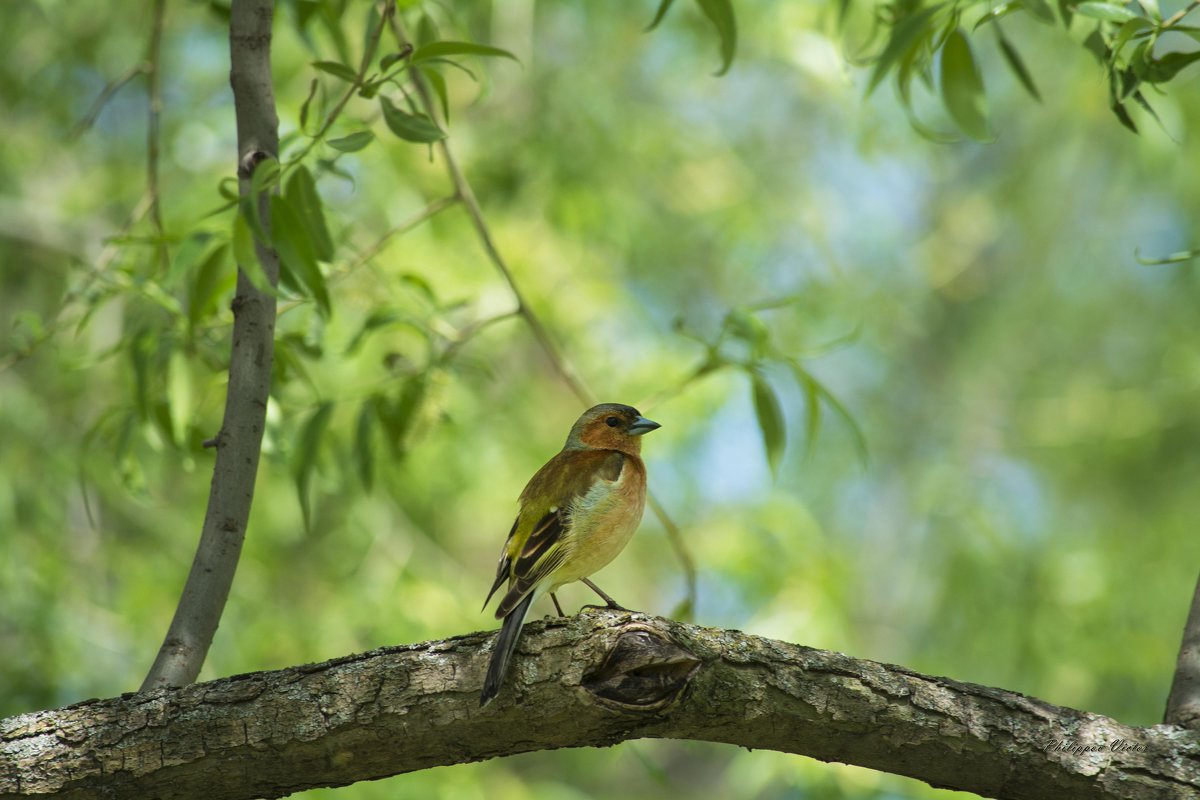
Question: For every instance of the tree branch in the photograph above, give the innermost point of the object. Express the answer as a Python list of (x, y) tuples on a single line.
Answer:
[(1183, 703), (153, 134), (586, 681), (240, 440)]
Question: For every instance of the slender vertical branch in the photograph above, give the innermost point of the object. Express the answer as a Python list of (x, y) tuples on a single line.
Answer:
[(239, 443), (462, 188), (1183, 704), (153, 134)]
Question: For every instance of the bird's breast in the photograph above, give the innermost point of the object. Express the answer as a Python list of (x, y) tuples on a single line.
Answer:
[(601, 523)]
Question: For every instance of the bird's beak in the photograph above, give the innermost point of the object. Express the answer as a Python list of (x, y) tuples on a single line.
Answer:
[(641, 426)]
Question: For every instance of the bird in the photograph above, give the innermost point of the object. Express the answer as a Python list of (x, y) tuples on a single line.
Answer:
[(574, 516)]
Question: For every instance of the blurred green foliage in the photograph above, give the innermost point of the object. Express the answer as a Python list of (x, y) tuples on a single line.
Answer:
[(921, 403)]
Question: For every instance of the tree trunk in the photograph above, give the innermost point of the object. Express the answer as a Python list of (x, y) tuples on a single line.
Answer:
[(239, 443), (596, 679)]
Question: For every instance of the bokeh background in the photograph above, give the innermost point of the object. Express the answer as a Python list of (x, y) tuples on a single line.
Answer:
[(1025, 516)]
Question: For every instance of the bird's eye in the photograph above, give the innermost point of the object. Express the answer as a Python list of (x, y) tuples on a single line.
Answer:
[(613, 422)]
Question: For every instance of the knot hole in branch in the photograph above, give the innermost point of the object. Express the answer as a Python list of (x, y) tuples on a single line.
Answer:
[(645, 670)]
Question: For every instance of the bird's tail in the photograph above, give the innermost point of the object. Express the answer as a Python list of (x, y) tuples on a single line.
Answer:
[(506, 642)]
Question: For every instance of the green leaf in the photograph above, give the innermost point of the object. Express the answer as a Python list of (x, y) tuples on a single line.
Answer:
[(443, 49), (998, 13), (1040, 9), (720, 14), (337, 70), (179, 396), (352, 143), (398, 416), (210, 280), (379, 318), (246, 254), (304, 458), (812, 422), (962, 86), (750, 329), (410, 127), (301, 194), (438, 82), (1151, 8), (364, 445), (1018, 66), (906, 34), (1166, 67), (770, 421), (1173, 258), (811, 383), (1129, 30), (296, 250), (663, 8), (1109, 12), (312, 92), (427, 30)]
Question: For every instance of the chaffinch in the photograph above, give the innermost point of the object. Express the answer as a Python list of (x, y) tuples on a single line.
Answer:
[(574, 516)]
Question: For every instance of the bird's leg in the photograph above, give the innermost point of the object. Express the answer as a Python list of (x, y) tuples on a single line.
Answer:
[(557, 607), (608, 600)]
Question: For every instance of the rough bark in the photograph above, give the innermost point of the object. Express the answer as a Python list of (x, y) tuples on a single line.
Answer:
[(1183, 703), (592, 680), (238, 444)]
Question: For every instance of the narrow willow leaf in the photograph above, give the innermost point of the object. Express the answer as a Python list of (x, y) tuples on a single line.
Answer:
[(962, 86), (812, 403), (364, 444), (209, 281), (353, 142), (1018, 66), (1109, 12), (247, 255), (770, 420), (444, 49), (301, 194), (312, 92), (1131, 29), (427, 30), (295, 247), (1040, 9), (720, 14), (998, 13), (438, 82), (1166, 67), (1173, 258), (304, 458), (663, 8), (410, 127), (337, 70), (905, 35), (179, 396), (830, 399), (398, 416)]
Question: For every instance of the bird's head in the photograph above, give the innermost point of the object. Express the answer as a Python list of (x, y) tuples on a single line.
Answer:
[(611, 426)]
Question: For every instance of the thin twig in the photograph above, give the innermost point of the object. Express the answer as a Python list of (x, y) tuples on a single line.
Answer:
[(558, 362), (1174, 19), (404, 226), (93, 113), (153, 132), (387, 12)]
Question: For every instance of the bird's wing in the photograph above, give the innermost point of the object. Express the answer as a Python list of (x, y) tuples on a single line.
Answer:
[(536, 544)]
